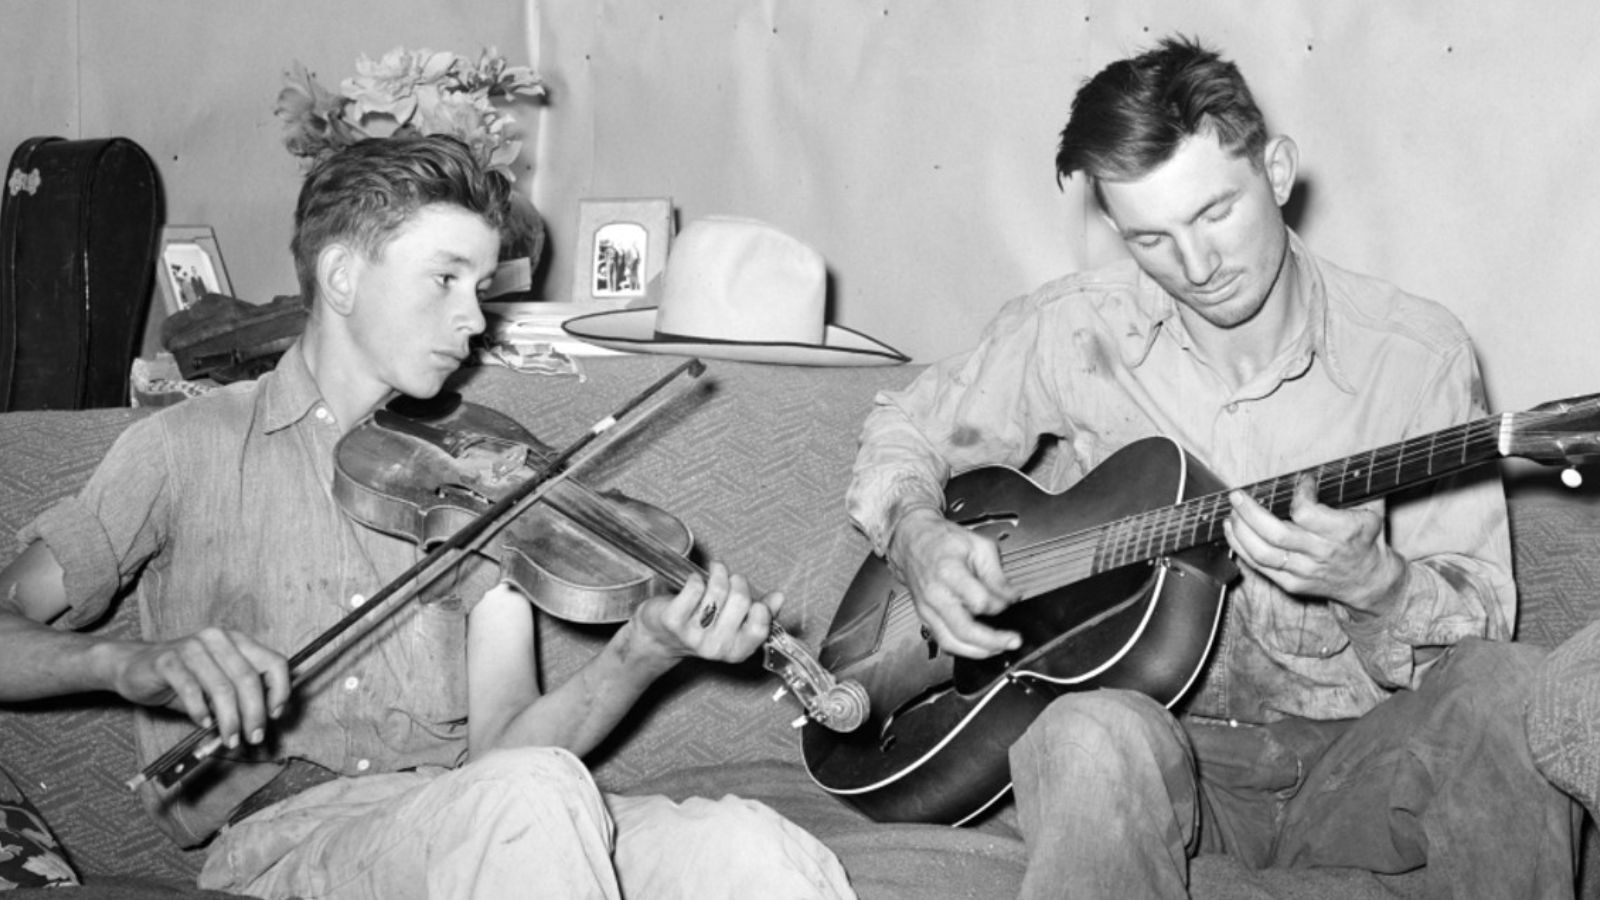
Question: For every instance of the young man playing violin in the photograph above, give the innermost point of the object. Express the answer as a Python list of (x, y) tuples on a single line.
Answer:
[(1361, 706), (423, 762)]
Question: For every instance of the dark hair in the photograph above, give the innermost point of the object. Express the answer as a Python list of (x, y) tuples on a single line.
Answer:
[(365, 192), (1131, 117)]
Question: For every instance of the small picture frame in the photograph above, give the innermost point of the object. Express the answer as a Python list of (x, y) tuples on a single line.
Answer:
[(622, 244), (190, 266)]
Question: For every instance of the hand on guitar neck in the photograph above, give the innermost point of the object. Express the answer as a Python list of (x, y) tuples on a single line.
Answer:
[(1318, 551), (954, 575)]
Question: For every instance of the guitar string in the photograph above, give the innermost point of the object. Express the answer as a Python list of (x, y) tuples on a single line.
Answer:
[(1139, 536), (1039, 565), (1151, 528)]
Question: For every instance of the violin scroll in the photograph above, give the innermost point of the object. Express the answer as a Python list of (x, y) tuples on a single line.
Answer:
[(836, 705)]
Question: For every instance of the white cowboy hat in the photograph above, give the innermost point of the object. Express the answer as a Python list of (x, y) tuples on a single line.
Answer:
[(742, 290)]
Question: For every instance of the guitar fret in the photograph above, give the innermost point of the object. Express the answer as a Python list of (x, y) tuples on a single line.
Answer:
[(1340, 483), (1106, 553)]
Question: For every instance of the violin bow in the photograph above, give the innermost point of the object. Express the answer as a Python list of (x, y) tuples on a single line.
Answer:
[(186, 756)]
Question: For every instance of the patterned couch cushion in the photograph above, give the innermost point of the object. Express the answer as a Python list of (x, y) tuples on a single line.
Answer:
[(29, 853)]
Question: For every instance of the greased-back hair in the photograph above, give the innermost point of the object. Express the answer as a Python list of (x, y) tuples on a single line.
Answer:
[(363, 193), (1132, 116)]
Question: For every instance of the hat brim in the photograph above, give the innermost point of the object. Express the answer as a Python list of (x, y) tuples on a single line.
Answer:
[(634, 330)]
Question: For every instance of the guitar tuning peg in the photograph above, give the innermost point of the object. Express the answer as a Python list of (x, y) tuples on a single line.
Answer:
[(778, 694), (797, 723), (1571, 477)]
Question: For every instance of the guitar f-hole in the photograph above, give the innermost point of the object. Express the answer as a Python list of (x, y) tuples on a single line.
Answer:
[(886, 732)]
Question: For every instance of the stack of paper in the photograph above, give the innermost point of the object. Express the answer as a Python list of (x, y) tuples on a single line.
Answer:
[(529, 323), (528, 337)]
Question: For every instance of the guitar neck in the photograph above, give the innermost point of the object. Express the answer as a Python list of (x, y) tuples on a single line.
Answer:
[(1340, 483)]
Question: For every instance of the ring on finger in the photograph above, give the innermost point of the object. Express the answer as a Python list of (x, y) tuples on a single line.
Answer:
[(708, 614)]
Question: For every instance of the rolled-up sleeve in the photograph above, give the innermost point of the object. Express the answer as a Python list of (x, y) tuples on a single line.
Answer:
[(1457, 541), (104, 536), (986, 407)]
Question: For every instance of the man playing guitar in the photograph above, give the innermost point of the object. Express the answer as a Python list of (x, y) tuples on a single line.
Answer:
[(1361, 652)]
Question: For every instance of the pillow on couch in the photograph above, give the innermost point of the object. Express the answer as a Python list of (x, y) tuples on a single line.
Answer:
[(29, 854)]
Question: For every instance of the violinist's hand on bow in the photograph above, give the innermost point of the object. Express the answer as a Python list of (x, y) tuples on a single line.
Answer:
[(1319, 551), (712, 618), (213, 676)]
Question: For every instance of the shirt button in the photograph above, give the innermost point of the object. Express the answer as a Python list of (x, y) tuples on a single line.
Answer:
[(356, 600), (363, 764), (323, 415), (1232, 407), (352, 683)]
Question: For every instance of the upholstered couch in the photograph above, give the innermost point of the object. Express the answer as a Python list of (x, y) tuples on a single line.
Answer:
[(754, 459)]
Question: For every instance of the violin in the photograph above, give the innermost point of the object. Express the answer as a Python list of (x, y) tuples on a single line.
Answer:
[(420, 470), (457, 461), (416, 469)]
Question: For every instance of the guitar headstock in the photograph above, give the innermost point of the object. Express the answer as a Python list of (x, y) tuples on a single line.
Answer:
[(1560, 433)]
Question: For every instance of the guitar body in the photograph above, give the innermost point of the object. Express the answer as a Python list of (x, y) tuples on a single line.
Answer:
[(935, 747)]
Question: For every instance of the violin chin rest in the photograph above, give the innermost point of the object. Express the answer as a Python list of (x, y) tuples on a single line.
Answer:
[(437, 407)]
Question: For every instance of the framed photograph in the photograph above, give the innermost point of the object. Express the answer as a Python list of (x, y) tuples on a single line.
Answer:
[(622, 244), (190, 266)]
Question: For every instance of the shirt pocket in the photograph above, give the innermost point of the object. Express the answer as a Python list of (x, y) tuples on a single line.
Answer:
[(1288, 625)]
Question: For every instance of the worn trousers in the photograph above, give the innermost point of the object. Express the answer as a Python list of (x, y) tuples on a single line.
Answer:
[(1114, 794), (516, 823)]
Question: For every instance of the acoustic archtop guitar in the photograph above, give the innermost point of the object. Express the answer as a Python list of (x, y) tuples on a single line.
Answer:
[(1122, 578)]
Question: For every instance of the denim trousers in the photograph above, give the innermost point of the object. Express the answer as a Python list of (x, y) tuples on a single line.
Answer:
[(1114, 794), (517, 823)]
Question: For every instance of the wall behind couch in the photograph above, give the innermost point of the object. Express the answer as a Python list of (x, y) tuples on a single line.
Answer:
[(1445, 145), (194, 83)]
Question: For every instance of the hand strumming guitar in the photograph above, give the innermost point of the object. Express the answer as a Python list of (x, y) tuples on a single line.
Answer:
[(954, 575)]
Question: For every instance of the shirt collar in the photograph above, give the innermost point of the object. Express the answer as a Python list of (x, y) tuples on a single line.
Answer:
[(289, 392), (1318, 341)]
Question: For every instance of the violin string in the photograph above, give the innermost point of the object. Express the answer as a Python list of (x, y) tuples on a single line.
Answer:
[(554, 472)]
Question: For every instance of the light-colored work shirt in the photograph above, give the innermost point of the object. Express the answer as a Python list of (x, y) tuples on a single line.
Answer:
[(1101, 359), (220, 512)]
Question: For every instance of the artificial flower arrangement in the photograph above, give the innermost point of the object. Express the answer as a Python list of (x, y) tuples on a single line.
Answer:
[(410, 92)]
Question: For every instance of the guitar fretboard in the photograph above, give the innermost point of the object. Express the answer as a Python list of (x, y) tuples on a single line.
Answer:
[(1167, 530)]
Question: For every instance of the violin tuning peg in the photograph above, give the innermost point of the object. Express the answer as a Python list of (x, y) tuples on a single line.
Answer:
[(1571, 477), (779, 694), (798, 723)]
